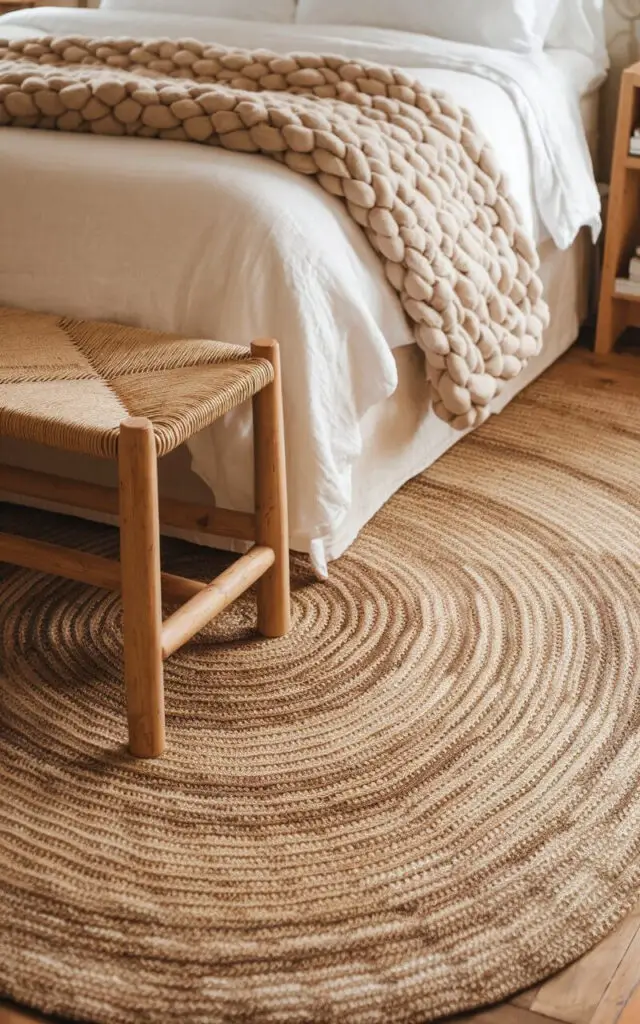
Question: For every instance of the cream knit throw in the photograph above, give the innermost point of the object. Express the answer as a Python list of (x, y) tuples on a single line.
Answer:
[(407, 161)]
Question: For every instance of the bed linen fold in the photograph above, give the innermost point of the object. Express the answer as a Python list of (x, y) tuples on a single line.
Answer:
[(272, 255), (565, 189), (408, 163)]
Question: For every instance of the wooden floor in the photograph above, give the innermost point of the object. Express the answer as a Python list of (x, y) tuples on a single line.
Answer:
[(603, 987)]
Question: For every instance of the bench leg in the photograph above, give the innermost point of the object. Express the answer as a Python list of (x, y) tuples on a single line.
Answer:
[(272, 518), (141, 594)]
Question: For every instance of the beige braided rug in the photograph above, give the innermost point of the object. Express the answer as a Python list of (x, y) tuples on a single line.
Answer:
[(423, 799), (408, 163)]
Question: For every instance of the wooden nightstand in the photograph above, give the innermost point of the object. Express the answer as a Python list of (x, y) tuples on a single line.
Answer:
[(14, 5), (617, 311), (18, 5)]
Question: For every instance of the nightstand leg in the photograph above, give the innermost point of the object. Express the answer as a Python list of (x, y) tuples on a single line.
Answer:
[(612, 321), (623, 224)]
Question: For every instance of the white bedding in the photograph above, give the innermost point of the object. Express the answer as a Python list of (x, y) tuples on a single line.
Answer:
[(508, 24), (244, 247)]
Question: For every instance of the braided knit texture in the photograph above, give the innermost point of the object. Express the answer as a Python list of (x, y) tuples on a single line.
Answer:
[(407, 161)]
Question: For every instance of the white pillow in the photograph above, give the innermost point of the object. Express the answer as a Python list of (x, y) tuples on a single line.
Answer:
[(579, 25), (245, 10), (502, 24)]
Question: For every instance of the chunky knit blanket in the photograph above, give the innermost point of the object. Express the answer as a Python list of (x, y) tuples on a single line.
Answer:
[(408, 163)]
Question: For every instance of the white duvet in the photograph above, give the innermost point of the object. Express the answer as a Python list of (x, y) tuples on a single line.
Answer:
[(243, 247)]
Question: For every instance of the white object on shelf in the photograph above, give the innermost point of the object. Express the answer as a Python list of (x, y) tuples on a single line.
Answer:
[(634, 266), (626, 287), (634, 143)]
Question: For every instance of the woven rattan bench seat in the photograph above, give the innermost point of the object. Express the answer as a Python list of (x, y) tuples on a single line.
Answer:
[(70, 383), (133, 395)]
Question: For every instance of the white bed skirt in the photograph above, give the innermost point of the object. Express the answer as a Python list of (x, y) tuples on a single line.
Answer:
[(401, 436)]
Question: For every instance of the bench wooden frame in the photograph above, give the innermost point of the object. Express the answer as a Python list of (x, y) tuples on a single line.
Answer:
[(148, 640)]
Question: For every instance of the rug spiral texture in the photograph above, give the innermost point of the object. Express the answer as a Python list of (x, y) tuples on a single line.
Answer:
[(422, 800)]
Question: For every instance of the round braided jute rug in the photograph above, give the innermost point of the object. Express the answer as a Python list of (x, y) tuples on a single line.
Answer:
[(422, 800)]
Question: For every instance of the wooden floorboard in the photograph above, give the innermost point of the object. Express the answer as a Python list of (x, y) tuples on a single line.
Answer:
[(505, 1014), (604, 986), (526, 999), (631, 1012), (10, 1015), (601, 988), (575, 995), (623, 992)]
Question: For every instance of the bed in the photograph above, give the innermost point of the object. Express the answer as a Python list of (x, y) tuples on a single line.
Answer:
[(274, 255)]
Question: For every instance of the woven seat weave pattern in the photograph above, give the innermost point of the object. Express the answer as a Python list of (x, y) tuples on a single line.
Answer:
[(70, 383)]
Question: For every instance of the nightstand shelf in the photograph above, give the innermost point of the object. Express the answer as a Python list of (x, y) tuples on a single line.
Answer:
[(7, 6), (617, 311), (624, 297)]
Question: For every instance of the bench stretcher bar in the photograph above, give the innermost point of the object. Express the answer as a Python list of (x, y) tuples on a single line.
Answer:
[(183, 515)]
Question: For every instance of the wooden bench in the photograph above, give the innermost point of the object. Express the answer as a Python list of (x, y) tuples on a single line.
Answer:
[(133, 395)]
